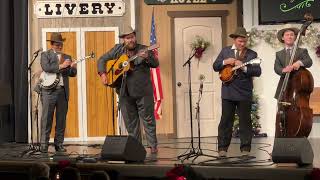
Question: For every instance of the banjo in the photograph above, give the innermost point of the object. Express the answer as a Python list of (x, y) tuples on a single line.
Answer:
[(51, 80)]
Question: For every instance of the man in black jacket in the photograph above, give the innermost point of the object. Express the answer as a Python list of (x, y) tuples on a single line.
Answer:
[(56, 98), (236, 94), (136, 92)]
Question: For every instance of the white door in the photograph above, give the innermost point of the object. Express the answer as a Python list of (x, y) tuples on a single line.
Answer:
[(186, 29)]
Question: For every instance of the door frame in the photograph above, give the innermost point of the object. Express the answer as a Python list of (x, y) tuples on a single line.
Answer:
[(189, 14), (81, 80), (83, 69)]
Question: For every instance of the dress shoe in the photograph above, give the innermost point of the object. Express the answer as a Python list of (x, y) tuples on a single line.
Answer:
[(44, 148), (222, 154), (60, 148), (245, 153), (154, 150)]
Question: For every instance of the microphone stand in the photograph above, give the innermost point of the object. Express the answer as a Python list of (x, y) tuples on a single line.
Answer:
[(192, 151), (199, 150), (32, 146)]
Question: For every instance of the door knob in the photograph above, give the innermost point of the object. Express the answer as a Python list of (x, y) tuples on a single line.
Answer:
[(179, 84)]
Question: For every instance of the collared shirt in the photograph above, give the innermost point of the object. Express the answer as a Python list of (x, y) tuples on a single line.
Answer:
[(61, 78), (235, 50), (244, 69), (291, 48)]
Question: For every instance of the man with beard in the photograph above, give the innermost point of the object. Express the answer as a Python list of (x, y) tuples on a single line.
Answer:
[(135, 91)]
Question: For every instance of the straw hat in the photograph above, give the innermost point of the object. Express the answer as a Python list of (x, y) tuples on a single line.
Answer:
[(286, 28), (127, 31)]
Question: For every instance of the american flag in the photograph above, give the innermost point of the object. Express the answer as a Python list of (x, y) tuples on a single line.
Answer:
[(155, 74)]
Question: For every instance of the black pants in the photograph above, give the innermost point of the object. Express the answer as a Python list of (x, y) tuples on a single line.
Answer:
[(133, 110), (226, 124)]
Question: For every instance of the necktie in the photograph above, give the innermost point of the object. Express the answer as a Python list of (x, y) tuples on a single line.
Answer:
[(288, 55), (237, 54)]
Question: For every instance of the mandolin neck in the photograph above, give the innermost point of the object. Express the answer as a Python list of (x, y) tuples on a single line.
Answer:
[(240, 66)]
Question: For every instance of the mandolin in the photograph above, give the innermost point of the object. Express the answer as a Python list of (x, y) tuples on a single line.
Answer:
[(229, 71)]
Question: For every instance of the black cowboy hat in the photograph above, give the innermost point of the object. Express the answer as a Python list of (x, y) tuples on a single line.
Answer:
[(56, 37)]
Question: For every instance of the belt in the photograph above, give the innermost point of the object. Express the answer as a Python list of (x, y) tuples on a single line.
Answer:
[(59, 87)]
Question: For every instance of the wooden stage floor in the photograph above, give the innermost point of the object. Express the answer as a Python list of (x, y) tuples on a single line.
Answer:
[(258, 166)]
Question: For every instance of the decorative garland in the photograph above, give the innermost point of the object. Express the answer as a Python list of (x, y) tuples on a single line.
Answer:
[(311, 39), (199, 45)]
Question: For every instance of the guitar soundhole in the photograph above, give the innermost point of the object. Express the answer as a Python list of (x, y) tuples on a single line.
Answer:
[(118, 71)]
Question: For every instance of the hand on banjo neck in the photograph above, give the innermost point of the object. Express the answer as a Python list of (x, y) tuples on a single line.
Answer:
[(65, 63)]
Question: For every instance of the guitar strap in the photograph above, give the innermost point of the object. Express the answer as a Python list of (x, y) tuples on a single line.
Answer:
[(243, 54)]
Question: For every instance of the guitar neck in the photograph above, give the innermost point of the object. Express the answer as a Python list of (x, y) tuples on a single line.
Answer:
[(82, 59), (145, 49), (240, 66)]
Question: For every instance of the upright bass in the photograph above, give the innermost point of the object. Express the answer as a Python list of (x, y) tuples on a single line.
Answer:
[(294, 115)]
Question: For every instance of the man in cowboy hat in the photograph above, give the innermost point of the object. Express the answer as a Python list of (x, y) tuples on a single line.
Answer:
[(287, 36), (56, 98), (236, 94), (135, 91)]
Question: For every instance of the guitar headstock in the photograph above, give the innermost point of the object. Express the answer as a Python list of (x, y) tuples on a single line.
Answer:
[(255, 61), (92, 54), (152, 47)]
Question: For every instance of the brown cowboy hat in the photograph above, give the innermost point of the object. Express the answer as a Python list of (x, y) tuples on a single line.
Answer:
[(127, 31), (56, 37), (239, 32), (282, 31)]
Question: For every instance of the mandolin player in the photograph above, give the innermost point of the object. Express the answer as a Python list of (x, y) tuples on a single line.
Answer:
[(135, 90), (54, 61), (236, 94)]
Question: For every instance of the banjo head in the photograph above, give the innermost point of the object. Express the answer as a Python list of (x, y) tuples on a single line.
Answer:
[(48, 79)]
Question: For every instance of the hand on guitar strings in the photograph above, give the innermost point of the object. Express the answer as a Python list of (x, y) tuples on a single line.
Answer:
[(294, 66), (238, 62), (73, 65), (65, 64), (230, 61), (104, 79), (287, 69), (144, 54)]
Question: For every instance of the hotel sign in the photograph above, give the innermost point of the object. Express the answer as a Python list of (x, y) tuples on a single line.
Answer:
[(177, 2), (96, 8)]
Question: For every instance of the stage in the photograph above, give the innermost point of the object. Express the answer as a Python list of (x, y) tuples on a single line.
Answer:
[(17, 158)]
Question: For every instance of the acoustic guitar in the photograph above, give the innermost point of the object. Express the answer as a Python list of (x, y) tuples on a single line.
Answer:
[(229, 71), (116, 68)]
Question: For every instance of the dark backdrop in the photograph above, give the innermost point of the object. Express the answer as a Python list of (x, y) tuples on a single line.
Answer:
[(13, 70)]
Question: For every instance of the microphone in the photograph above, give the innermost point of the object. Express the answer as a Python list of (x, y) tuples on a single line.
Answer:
[(201, 78), (39, 50)]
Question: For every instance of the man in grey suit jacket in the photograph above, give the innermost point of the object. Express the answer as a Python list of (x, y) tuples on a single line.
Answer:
[(136, 91), (236, 94), (57, 97), (301, 59)]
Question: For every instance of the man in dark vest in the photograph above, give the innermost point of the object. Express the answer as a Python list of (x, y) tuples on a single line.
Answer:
[(136, 92), (236, 94), (56, 98)]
